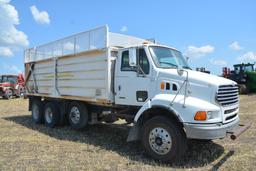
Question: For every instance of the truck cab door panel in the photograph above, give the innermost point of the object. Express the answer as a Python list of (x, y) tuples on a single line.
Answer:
[(132, 84)]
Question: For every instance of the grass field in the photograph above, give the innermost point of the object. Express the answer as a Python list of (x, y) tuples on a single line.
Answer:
[(27, 146)]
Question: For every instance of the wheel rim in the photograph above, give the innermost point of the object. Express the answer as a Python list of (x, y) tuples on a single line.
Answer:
[(8, 93), (160, 141), (35, 112), (75, 115), (48, 115)]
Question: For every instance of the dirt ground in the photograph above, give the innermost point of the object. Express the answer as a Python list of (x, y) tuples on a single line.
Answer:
[(27, 146)]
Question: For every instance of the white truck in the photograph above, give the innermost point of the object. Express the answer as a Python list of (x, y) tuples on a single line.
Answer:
[(98, 76)]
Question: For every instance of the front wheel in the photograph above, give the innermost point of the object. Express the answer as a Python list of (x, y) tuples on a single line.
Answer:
[(163, 139), (7, 94)]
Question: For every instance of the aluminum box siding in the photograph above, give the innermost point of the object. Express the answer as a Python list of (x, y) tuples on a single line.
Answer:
[(86, 75), (84, 65), (94, 39), (43, 72)]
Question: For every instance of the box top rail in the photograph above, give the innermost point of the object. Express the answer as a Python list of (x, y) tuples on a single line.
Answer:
[(94, 39)]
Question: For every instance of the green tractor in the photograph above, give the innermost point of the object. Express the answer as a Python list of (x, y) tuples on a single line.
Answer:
[(244, 75)]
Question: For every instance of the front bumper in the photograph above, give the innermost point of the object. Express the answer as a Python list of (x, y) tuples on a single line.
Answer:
[(210, 131)]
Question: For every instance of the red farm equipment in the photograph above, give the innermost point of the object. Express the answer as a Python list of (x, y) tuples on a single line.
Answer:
[(11, 86)]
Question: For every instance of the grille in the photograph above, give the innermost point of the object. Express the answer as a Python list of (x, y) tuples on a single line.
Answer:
[(231, 117), (227, 95), (230, 111)]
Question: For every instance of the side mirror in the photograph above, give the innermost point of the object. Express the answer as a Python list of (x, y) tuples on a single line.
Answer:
[(187, 58), (132, 57), (180, 70)]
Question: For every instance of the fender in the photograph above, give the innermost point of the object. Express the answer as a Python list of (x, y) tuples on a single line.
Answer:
[(183, 113), (134, 133), (155, 103)]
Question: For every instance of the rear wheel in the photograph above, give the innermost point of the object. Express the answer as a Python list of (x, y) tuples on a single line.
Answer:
[(51, 114), (37, 111), (78, 115), (163, 139)]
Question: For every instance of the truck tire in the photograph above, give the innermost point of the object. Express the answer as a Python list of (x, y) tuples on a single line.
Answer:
[(51, 114), (78, 115), (37, 111), (19, 92), (243, 89), (163, 139), (8, 94)]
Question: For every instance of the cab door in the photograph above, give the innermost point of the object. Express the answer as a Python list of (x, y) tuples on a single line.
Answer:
[(133, 84)]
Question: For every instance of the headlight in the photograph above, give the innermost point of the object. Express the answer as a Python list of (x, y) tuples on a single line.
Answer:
[(213, 115)]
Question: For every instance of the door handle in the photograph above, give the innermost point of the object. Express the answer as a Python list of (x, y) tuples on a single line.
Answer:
[(119, 87)]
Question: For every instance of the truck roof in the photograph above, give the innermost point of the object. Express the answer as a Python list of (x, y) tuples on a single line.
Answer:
[(9, 75), (244, 64), (150, 44), (97, 39)]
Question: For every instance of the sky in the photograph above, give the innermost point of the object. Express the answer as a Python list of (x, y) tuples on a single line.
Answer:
[(213, 34)]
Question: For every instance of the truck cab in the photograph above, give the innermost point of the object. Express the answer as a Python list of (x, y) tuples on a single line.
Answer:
[(158, 77)]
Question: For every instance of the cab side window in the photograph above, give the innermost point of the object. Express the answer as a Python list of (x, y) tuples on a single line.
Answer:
[(143, 61), (4, 79), (125, 61), (12, 80)]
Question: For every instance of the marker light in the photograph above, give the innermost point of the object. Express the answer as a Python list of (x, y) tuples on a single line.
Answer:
[(162, 85), (145, 43), (200, 116)]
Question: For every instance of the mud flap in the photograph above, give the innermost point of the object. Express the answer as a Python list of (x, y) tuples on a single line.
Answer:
[(134, 133)]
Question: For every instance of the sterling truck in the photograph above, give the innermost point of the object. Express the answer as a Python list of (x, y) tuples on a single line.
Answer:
[(99, 76)]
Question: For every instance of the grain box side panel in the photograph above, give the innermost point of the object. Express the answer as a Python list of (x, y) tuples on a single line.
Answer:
[(83, 76), (44, 74)]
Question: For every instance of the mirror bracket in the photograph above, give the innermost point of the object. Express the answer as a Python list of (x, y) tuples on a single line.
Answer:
[(180, 71)]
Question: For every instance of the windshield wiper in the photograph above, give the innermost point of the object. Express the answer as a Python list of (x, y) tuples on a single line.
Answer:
[(186, 67), (169, 64)]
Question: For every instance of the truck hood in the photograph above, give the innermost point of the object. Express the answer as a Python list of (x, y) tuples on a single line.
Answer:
[(199, 77), (205, 78), (201, 85)]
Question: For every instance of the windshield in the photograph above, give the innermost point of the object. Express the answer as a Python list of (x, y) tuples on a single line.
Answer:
[(9, 79), (167, 58), (248, 68)]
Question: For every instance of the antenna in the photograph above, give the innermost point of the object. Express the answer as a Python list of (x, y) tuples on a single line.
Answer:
[(153, 40)]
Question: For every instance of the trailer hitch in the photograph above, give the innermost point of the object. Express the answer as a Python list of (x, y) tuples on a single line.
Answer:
[(237, 132)]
